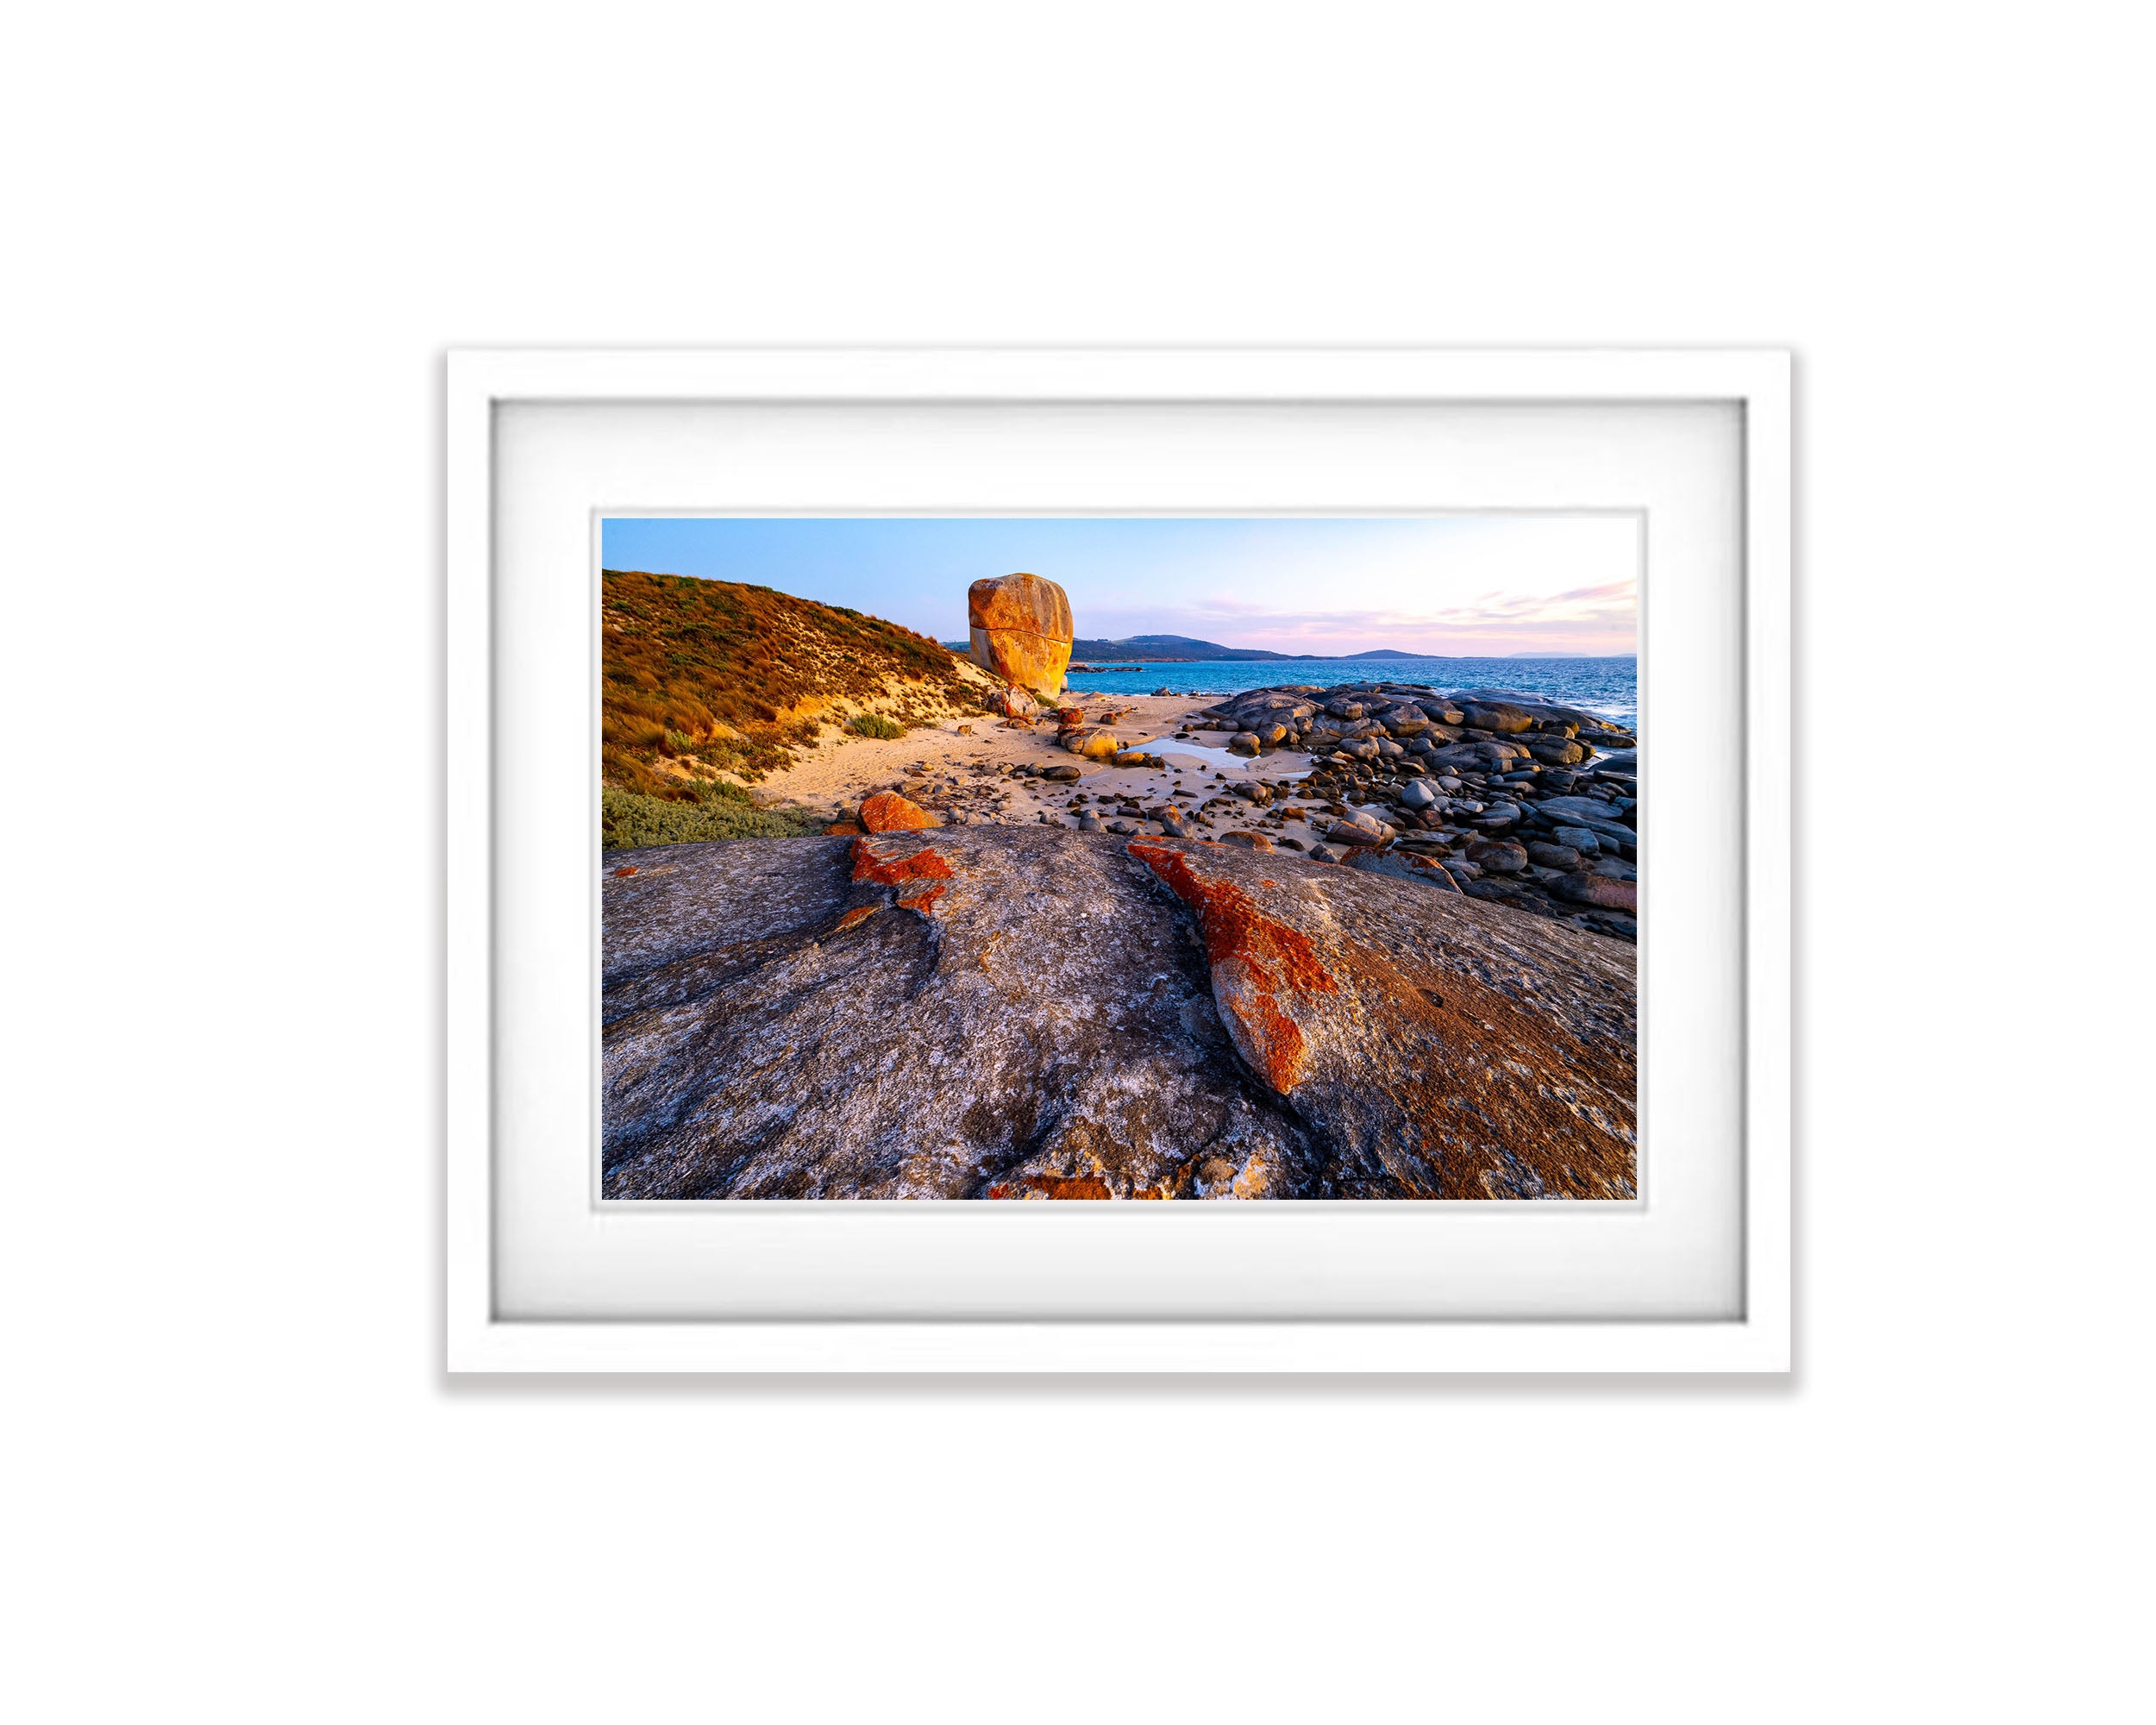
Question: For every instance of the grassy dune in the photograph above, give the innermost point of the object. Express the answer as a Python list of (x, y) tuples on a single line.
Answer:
[(703, 677)]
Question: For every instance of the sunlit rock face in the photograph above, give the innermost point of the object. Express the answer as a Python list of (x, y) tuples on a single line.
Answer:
[(1021, 630), (1028, 1012)]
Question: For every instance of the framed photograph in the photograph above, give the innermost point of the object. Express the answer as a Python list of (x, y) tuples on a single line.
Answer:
[(1092, 861)]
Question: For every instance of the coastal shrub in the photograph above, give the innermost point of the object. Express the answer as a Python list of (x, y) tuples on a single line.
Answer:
[(875, 725), (722, 811)]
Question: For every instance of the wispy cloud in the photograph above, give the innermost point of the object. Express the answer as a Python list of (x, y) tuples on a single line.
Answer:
[(1600, 618)]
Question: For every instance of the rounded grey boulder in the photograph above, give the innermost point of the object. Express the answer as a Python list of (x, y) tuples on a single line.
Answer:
[(1497, 856)]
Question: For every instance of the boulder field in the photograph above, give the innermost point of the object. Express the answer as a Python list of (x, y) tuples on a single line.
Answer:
[(1015, 1012), (1525, 801)]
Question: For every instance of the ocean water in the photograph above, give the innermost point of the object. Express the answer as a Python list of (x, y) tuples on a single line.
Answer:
[(1609, 687)]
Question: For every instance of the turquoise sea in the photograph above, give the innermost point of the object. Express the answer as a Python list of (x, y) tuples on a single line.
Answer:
[(1609, 687)]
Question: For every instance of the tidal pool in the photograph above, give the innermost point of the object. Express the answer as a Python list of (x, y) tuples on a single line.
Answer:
[(1226, 761)]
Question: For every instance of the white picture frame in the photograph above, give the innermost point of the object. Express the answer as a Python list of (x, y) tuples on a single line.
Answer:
[(624, 402)]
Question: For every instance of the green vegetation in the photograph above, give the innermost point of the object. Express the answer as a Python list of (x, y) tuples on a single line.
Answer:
[(716, 676), (875, 725), (724, 811)]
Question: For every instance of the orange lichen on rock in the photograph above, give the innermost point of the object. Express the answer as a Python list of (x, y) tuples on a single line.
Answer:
[(1522, 1106), (888, 812), (1255, 959), (1051, 1186), (858, 915), (921, 876), (877, 862)]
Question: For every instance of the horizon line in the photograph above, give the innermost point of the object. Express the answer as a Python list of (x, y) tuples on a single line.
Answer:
[(1365, 653)]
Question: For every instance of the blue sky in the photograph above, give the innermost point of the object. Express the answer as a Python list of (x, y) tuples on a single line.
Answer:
[(1467, 585)]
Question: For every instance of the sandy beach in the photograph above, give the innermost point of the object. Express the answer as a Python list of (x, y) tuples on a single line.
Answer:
[(971, 778)]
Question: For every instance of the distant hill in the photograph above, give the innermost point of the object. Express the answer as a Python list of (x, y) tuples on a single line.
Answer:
[(1175, 649), (1167, 649)]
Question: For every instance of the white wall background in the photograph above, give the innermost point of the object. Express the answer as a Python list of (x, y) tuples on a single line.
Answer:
[(239, 1486)]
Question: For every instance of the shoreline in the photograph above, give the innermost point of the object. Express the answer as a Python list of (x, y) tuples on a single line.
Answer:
[(1605, 684), (1537, 810)]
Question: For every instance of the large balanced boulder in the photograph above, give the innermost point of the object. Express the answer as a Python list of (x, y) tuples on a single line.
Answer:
[(1021, 630), (1022, 1012)]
